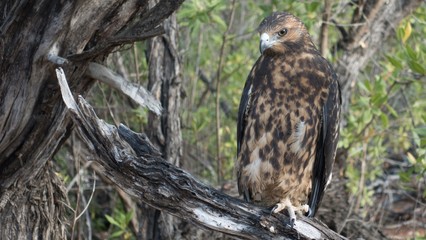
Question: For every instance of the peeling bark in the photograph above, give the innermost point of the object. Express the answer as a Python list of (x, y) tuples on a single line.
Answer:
[(165, 130)]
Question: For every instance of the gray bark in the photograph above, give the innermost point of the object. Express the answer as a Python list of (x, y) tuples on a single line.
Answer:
[(165, 130)]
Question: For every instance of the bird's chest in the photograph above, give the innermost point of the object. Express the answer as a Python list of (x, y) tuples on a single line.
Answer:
[(282, 128), (285, 108)]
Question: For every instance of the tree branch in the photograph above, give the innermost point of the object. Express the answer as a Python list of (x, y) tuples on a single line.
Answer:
[(136, 92), (136, 166), (323, 46), (103, 74)]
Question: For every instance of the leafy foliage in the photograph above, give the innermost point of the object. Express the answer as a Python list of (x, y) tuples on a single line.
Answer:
[(388, 113), (120, 220)]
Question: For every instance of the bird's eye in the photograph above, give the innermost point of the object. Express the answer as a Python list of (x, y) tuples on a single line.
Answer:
[(282, 32)]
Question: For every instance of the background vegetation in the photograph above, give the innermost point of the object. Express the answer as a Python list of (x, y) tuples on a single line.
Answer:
[(383, 140)]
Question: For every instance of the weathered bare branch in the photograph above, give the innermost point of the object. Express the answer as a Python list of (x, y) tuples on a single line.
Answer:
[(101, 73), (134, 91)]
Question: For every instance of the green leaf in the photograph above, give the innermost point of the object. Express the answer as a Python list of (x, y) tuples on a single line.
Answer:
[(368, 85), (385, 120), (416, 137), (406, 176), (361, 84), (396, 63), (128, 217), (421, 131), (378, 99), (112, 221), (118, 233), (391, 110), (423, 142), (417, 67), (411, 53), (219, 21), (312, 7), (367, 116), (400, 33)]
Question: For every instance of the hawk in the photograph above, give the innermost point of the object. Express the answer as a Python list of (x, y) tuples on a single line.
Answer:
[(288, 121)]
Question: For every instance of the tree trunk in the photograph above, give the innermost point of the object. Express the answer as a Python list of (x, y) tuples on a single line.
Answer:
[(165, 130), (33, 120), (165, 83)]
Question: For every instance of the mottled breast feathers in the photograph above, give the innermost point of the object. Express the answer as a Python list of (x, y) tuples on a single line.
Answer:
[(288, 119)]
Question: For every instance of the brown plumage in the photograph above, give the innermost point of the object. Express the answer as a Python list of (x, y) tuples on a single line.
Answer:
[(288, 120)]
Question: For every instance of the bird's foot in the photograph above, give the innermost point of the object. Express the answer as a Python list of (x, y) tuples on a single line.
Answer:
[(292, 210)]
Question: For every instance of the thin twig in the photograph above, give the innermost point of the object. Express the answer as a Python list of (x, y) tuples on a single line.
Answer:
[(324, 28), (361, 183), (77, 166), (333, 23), (77, 176), (90, 199), (196, 76), (218, 75), (136, 61)]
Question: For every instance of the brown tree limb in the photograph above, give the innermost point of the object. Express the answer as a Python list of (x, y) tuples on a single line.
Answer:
[(136, 166)]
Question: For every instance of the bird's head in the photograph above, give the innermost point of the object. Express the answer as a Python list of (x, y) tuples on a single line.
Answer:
[(282, 33)]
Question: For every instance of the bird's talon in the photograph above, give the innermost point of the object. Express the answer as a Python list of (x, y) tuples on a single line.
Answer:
[(292, 221), (309, 212), (274, 208)]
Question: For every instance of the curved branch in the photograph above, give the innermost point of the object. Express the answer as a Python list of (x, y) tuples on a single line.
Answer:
[(136, 92), (136, 166)]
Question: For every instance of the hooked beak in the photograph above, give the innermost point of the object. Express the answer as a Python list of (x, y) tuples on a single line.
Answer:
[(265, 42)]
